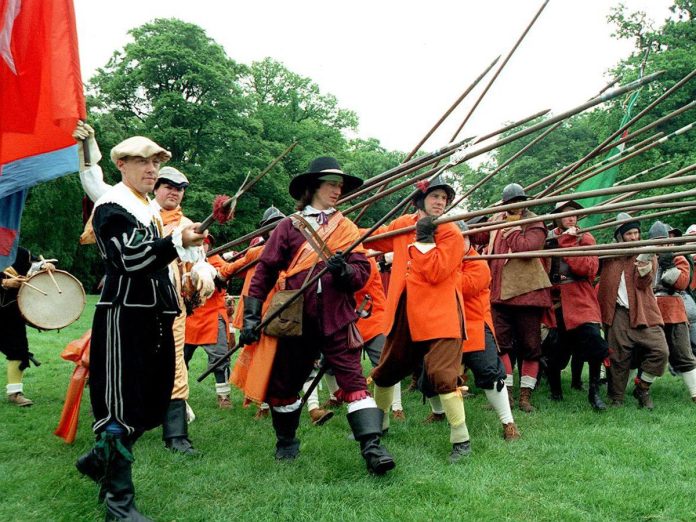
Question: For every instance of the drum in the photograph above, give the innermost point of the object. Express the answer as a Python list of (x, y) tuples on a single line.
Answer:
[(51, 303)]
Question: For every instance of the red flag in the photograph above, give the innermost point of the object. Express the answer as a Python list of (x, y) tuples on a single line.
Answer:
[(41, 95), (41, 100)]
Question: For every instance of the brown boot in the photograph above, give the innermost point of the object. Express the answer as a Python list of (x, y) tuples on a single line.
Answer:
[(331, 404), (224, 402), (19, 399), (262, 413), (510, 431), (434, 417), (642, 393), (399, 415), (511, 397), (320, 416), (524, 404)]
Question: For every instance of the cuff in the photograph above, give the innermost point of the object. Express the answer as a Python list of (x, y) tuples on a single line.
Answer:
[(670, 276), (423, 248), (190, 254)]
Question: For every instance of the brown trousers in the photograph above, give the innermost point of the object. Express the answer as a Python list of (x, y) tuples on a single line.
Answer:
[(681, 358), (441, 358), (644, 348)]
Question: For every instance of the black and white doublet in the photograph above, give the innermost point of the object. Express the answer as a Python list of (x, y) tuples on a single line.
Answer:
[(132, 351)]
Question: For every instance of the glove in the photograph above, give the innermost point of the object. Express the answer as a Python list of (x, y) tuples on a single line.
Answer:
[(84, 134), (338, 267), (203, 278), (252, 319), (425, 230), (666, 261)]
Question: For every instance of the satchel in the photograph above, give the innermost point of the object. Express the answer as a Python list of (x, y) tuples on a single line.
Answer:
[(289, 322)]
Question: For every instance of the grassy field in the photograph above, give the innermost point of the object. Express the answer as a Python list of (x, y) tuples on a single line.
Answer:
[(571, 464)]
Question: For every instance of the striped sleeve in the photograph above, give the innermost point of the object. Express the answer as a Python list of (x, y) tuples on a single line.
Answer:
[(130, 247)]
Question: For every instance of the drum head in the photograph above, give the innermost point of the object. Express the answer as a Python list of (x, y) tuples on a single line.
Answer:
[(49, 305)]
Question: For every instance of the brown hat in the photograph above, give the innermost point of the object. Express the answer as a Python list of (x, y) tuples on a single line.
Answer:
[(139, 146)]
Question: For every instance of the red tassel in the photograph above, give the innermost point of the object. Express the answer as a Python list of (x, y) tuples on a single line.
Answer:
[(423, 185), (220, 212)]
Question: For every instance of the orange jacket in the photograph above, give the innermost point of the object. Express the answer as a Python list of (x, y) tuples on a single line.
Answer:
[(475, 283), (430, 280), (202, 324), (373, 325), (228, 268)]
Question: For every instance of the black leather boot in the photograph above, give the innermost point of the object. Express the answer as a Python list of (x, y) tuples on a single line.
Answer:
[(367, 428), (593, 394), (554, 377), (118, 483), (285, 425), (175, 429), (92, 464)]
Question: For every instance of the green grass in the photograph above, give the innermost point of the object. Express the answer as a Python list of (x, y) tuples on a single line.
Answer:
[(571, 464)]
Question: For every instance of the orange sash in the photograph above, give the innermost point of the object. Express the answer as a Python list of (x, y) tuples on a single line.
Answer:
[(78, 352), (252, 370)]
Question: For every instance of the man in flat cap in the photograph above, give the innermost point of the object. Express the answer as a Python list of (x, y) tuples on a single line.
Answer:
[(132, 350)]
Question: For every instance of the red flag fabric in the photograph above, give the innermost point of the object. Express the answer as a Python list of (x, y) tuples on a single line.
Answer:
[(41, 92)]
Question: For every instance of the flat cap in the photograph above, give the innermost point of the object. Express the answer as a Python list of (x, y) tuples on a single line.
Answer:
[(139, 146), (173, 176)]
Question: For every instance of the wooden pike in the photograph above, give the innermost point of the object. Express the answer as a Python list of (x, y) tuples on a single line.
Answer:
[(436, 126), (481, 149), (608, 147), (640, 217), (625, 250), (519, 153), (226, 207), (619, 131), (269, 317), (682, 180), (500, 69)]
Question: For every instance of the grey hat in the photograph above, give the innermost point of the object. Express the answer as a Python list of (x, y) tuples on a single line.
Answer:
[(270, 215), (173, 177), (659, 230), (562, 204), (513, 191), (622, 228)]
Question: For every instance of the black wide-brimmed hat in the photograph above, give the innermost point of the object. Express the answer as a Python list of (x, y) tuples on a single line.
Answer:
[(320, 167), (570, 203)]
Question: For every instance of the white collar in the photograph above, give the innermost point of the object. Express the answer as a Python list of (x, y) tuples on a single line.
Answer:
[(121, 195), (309, 210)]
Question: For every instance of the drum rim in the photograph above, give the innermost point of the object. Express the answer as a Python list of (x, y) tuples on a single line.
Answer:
[(71, 320)]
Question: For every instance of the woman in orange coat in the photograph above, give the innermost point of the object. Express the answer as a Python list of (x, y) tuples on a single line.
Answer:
[(424, 319)]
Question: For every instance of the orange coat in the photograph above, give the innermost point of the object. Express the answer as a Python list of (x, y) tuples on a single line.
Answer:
[(228, 268), (202, 324), (370, 327), (476, 281), (430, 280)]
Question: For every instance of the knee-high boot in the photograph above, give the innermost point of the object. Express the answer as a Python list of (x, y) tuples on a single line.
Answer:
[(366, 424), (593, 394), (119, 492), (175, 428), (285, 424), (553, 375)]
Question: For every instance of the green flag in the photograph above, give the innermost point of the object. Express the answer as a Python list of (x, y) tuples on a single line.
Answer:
[(608, 177)]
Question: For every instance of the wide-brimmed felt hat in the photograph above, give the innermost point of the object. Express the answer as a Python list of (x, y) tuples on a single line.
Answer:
[(560, 205), (321, 167)]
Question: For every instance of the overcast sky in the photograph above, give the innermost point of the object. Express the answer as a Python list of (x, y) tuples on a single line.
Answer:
[(399, 64)]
